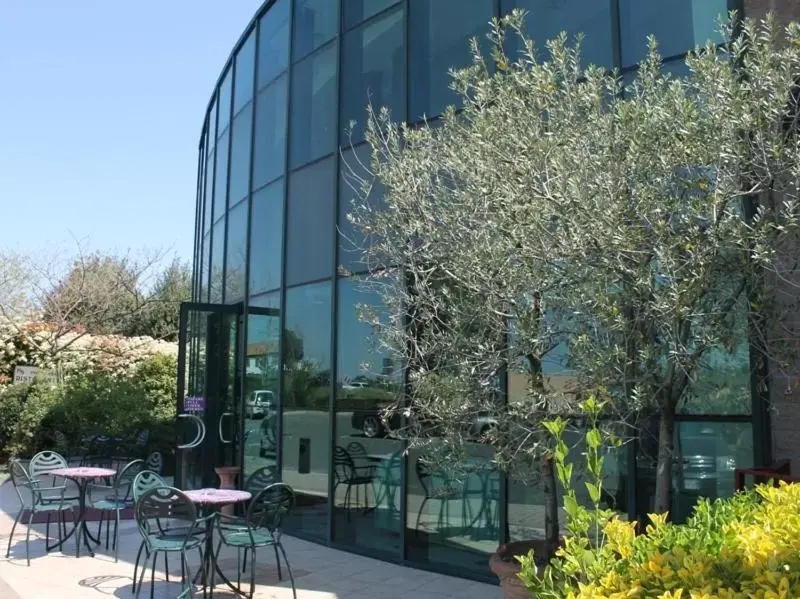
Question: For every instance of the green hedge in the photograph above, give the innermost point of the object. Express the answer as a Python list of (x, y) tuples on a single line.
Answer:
[(37, 416)]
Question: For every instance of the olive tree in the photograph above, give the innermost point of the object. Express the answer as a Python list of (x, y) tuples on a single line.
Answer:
[(640, 229)]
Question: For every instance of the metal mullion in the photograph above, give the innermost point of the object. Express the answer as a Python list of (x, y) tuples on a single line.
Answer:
[(211, 247), (228, 174), (404, 458), (616, 36), (282, 321)]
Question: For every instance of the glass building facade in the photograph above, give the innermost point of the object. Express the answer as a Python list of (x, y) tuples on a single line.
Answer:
[(272, 341)]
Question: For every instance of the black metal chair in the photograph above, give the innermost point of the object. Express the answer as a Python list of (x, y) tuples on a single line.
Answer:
[(262, 528), (116, 498), (346, 473)]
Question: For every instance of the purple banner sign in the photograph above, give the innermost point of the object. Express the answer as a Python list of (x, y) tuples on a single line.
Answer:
[(194, 403)]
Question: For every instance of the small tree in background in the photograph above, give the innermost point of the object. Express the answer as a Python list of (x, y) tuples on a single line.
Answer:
[(634, 230)]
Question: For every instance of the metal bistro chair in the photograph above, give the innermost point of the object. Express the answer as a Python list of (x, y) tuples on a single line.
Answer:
[(39, 469), (118, 496), (36, 504), (262, 528), (437, 486), (167, 504), (346, 473)]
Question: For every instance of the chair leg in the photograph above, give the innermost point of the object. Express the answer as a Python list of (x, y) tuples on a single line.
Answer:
[(47, 532), (100, 525), (278, 562), (252, 573), (244, 562), (108, 528), (28, 538), (347, 502), (13, 528), (166, 566), (419, 515), (153, 576), (136, 564), (289, 568), (116, 537), (141, 574)]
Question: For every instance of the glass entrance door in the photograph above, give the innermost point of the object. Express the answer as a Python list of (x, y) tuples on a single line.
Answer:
[(209, 392)]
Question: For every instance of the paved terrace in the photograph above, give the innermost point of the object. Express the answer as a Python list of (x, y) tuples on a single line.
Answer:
[(320, 573)]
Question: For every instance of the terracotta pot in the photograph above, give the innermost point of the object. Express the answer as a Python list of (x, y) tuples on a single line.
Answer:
[(227, 480), (504, 565)]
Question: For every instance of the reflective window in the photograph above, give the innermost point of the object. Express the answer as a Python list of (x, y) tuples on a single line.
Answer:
[(236, 253), (373, 72), (273, 42), (440, 32), (310, 223), (217, 262), (356, 11), (205, 267), (546, 19), (306, 397), (269, 150), (240, 154), (245, 65), (266, 238), (678, 26), (209, 185), (221, 178), (367, 380), (313, 118), (224, 118), (315, 22), (212, 126), (354, 175)]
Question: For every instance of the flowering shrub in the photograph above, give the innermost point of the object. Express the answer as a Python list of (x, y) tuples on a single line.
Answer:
[(744, 547)]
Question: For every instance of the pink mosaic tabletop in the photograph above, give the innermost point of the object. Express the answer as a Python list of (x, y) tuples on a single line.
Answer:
[(81, 472), (217, 496)]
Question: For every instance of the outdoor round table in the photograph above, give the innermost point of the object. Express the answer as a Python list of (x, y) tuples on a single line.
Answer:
[(213, 500), (82, 476)]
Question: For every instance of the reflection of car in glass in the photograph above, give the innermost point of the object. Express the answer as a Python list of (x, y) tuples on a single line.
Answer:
[(368, 421), (259, 403)]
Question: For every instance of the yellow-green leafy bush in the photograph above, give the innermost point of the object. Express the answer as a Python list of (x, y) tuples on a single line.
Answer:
[(744, 547)]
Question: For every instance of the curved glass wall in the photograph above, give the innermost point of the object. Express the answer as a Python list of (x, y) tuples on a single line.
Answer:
[(281, 158)]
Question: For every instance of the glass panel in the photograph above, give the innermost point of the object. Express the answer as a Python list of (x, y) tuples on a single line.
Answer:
[(373, 73), (269, 151), (245, 66), (224, 118), (367, 462), (354, 170), (310, 225), (266, 238), (678, 26), (236, 253), (273, 42), (212, 124), (262, 364), (205, 268), (240, 154), (306, 397), (315, 22), (356, 11), (217, 255), (546, 19), (209, 184), (453, 509), (221, 178), (440, 32), (313, 118)]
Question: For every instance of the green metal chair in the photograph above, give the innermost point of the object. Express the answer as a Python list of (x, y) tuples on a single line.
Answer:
[(35, 503), (117, 497), (39, 469), (261, 527), (168, 505)]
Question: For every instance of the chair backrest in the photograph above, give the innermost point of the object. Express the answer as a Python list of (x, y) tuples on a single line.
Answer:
[(261, 479), (164, 506), (343, 466), (144, 481), (45, 461), (155, 462), (270, 506), (123, 483), (356, 450), (20, 478)]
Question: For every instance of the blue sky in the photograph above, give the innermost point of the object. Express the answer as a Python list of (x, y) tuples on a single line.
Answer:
[(100, 114)]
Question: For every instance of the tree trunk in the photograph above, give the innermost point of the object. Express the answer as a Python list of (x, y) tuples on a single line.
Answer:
[(666, 451), (551, 528)]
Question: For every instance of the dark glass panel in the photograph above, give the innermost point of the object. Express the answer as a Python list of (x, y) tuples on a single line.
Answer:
[(546, 19), (240, 154), (269, 151), (310, 225), (266, 238), (678, 26), (245, 66), (221, 178), (217, 261), (273, 42), (306, 396), (315, 23), (224, 118), (367, 515), (209, 192), (440, 31), (314, 102), (373, 72), (356, 11), (236, 253)]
